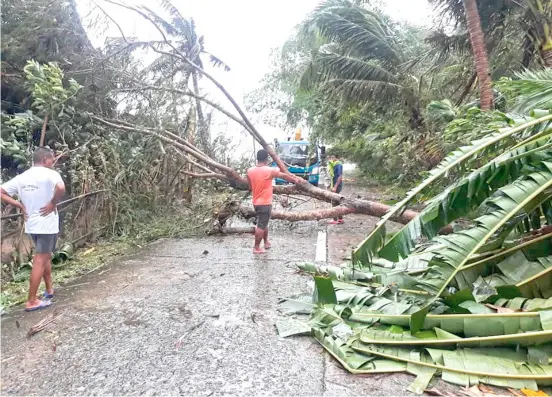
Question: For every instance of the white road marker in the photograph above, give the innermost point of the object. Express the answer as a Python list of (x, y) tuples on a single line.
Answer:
[(321, 242)]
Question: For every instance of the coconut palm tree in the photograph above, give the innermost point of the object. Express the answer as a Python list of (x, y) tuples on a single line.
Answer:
[(481, 59), (186, 40), (359, 57)]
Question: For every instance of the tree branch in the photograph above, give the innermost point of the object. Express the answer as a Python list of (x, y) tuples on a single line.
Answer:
[(187, 93)]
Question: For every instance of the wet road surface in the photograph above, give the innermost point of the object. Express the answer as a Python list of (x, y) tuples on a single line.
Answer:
[(184, 317)]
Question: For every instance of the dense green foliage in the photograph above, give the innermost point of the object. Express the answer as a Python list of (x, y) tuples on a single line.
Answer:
[(54, 81), (383, 93)]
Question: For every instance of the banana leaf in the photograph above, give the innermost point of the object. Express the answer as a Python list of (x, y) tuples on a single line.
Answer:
[(444, 339), (324, 292), (470, 366), (335, 272), (375, 241), (353, 361), (525, 304), (464, 196), (522, 195), (532, 250), (469, 325)]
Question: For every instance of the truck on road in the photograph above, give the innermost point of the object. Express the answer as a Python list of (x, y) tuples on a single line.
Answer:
[(301, 157)]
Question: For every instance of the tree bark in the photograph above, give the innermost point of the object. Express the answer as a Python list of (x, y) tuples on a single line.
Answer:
[(546, 55), (202, 130), (43, 132), (466, 90), (480, 55)]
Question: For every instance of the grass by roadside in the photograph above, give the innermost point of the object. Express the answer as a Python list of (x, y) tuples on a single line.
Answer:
[(94, 256), (85, 261)]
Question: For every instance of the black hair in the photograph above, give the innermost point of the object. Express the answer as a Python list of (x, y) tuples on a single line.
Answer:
[(262, 156)]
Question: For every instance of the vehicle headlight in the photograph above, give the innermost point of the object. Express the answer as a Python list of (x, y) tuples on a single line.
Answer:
[(315, 171)]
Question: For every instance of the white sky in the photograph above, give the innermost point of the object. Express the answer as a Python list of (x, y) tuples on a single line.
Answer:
[(242, 33)]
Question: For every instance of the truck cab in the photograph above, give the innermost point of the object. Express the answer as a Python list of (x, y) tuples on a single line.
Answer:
[(301, 159)]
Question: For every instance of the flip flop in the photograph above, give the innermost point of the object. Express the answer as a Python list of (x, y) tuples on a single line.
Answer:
[(43, 304), (47, 295)]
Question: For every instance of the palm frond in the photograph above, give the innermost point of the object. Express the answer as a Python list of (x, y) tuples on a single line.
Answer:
[(357, 29), (533, 89), (443, 44), (217, 62), (465, 195), (375, 241), (162, 22)]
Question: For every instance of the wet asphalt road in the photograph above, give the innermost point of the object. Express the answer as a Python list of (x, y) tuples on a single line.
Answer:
[(176, 320)]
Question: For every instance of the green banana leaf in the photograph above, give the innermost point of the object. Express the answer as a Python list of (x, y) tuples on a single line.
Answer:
[(469, 366), (444, 339), (522, 195), (353, 361), (525, 304), (335, 272), (464, 196), (375, 241), (469, 325), (324, 292)]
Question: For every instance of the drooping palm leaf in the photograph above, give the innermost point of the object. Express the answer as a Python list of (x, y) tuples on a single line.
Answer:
[(524, 194), (465, 195), (359, 30), (533, 89), (375, 241)]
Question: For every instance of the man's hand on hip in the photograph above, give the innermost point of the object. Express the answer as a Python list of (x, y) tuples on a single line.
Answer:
[(48, 209)]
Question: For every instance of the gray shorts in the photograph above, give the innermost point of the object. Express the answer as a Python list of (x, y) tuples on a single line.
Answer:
[(263, 215), (44, 243)]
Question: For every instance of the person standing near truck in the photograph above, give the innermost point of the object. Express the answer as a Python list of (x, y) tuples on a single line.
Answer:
[(335, 169), (260, 179), (39, 189)]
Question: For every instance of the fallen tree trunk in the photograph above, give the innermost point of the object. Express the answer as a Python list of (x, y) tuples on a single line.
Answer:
[(213, 169), (294, 216), (238, 209)]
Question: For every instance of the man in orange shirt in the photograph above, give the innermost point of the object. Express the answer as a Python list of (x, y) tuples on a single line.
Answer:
[(260, 183)]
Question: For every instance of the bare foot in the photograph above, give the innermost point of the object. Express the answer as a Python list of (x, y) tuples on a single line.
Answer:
[(267, 246), (258, 250)]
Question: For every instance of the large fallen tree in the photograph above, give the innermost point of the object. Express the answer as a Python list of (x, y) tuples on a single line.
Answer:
[(204, 166), (475, 305)]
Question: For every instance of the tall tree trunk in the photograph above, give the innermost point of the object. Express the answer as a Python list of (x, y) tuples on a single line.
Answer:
[(480, 56), (190, 137), (202, 130), (43, 131)]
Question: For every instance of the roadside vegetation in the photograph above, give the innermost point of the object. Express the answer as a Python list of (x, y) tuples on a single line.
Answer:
[(458, 115)]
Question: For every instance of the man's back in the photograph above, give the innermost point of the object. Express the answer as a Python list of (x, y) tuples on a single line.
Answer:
[(35, 187), (260, 178)]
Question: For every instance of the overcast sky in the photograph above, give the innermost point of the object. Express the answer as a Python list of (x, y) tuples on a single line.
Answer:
[(241, 32)]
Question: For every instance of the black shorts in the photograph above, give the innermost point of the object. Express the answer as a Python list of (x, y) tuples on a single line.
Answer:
[(44, 243), (263, 215)]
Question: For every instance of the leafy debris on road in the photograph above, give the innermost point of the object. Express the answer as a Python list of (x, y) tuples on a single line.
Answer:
[(474, 304)]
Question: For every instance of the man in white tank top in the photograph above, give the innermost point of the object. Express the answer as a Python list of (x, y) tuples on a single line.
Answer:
[(39, 190)]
